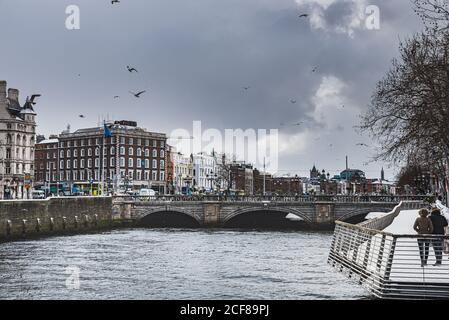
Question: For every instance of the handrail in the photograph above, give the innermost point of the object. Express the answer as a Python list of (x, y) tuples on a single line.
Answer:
[(390, 265), (302, 198)]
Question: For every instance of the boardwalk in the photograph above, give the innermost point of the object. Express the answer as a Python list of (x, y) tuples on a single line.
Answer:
[(382, 255)]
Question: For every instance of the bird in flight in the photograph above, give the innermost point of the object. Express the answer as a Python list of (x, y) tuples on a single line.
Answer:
[(82, 116), (137, 95), (116, 97), (362, 145), (115, 1), (315, 69), (304, 15), (293, 101), (246, 88), (131, 69), (31, 101)]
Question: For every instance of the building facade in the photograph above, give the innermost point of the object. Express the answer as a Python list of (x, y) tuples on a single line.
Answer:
[(133, 158), (17, 143), (204, 172), (183, 173)]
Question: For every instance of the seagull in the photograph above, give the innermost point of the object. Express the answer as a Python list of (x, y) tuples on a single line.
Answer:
[(293, 101), (116, 97), (246, 88), (362, 144), (131, 69), (315, 69), (115, 1), (304, 15), (137, 95), (82, 116), (31, 101)]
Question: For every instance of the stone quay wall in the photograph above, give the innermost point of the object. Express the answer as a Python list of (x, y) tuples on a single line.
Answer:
[(21, 219)]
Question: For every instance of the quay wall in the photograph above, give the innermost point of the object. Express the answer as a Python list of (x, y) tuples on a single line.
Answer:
[(21, 219)]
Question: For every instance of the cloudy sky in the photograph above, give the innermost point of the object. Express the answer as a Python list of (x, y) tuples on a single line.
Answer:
[(195, 56)]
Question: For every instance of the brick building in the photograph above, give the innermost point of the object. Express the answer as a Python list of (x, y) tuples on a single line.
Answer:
[(133, 158)]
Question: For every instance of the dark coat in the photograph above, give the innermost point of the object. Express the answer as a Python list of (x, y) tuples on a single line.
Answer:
[(438, 222)]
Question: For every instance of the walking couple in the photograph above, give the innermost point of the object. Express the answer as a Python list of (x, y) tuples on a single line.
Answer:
[(435, 225)]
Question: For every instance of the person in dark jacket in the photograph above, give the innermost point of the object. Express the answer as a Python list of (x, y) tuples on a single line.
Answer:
[(423, 225), (439, 225)]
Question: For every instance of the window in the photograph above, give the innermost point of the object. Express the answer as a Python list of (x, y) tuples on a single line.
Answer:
[(122, 151), (61, 164), (139, 163), (122, 140), (147, 142), (131, 151), (112, 162), (154, 164), (147, 152), (89, 152), (69, 153), (139, 143), (154, 143), (81, 173), (139, 175), (154, 175), (75, 175), (162, 154), (82, 152), (82, 163), (162, 176), (97, 151), (154, 153), (147, 164), (162, 144), (82, 145), (147, 175), (97, 141), (68, 144), (89, 163), (61, 154), (112, 150), (131, 174), (75, 164), (130, 163), (48, 155), (122, 162), (131, 141), (75, 153), (97, 162), (75, 143), (68, 164), (162, 164), (139, 152)]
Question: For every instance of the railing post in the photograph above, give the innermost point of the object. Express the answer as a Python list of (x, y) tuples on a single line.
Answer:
[(381, 253)]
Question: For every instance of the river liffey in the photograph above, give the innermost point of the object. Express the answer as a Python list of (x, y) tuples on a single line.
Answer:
[(174, 264)]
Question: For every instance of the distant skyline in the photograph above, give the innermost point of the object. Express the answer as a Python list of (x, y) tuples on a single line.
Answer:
[(230, 64)]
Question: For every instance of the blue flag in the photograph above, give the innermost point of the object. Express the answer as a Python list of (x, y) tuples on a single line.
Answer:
[(107, 131)]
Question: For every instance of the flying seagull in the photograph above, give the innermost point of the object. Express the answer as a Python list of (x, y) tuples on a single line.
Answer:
[(82, 116), (131, 69), (362, 145), (31, 101), (304, 15), (116, 97), (315, 69), (246, 88), (115, 1), (293, 101), (137, 95)]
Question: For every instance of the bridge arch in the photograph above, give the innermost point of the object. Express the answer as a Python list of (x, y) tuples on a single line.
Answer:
[(168, 217), (357, 215), (270, 213)]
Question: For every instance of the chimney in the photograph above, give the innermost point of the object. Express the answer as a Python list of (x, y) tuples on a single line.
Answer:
[(3, 85), (347, 167), (13, 94)]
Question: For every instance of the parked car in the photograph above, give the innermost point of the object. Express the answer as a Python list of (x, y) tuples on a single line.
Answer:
[(38, 194), (147, 192)]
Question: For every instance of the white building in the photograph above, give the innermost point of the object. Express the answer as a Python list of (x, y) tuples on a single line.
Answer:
[(17, 143), (204, 172), (183, 172)]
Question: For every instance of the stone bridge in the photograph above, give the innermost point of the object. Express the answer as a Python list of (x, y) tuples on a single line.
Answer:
[(208, 213)]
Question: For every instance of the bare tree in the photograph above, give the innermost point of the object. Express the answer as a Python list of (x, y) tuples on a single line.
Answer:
[(434, 13)]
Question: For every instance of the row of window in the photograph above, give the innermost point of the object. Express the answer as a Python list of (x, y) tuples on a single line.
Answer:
[(140, 163), (122, 151), (19, 139), (97, 141), (96, 175)]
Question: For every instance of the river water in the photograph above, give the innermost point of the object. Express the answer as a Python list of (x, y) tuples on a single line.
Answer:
[(174, 264)]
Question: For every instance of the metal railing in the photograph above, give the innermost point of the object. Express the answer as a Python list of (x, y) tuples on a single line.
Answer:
[(389, 265), (303, 199)]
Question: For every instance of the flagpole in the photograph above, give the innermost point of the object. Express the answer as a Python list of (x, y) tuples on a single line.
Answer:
[(102, 160)]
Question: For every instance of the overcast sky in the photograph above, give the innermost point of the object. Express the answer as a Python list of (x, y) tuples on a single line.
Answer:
[(194, 57)]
